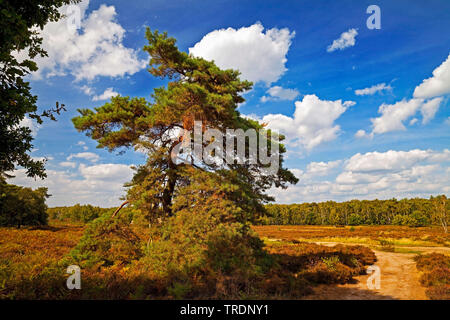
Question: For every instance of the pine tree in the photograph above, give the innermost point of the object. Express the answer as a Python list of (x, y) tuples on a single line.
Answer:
[(197, 90)]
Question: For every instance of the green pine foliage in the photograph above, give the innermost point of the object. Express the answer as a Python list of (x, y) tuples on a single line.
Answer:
[(107, 242), (197, 215), (197, 91)]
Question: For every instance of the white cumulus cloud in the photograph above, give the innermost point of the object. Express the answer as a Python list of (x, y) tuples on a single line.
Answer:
[(68, 164), (373, 89), (87, 90), (258, 55), (321, 168), (373, 175), (95, 49), (107, 94), (347, 39), (313, 121), (105, 172), (429, 109), (386, 161), (280, 93), (427, 99), (100, 185), (361, 134), (438, 84), (393, 115), (413, 121), (90, 156)]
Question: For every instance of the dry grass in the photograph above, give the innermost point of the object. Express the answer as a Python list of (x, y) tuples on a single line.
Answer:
[(38, 244), (31, 268), (29, 256), (435, 270), (370, 235)]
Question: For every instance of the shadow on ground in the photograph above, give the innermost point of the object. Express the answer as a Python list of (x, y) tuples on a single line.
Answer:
[(335, 292)]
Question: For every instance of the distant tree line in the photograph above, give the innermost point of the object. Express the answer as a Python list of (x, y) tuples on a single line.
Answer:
[(410, 212), (77, 213), (24, 206)]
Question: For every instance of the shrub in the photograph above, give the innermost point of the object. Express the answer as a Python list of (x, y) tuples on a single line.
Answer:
[(321, 273), (29, 261), (440, 292), (195, 252), (31, 265), (428, 262), (179, 290), (108, 241), (319, 264), (387, 245), (331, 262), (436, 275)]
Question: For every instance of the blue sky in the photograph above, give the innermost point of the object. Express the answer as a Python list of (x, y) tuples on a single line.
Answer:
[(392, 141)]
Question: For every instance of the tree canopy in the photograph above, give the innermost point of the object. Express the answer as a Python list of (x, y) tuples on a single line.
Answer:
[(20, 22), (197, 90)]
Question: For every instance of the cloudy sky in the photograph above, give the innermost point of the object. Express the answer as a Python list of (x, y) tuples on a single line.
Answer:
[(365, 111)]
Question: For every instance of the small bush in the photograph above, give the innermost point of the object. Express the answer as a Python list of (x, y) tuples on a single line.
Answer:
[(436, 275), (331, 262), (108, 241), (387, 245), (428, 262)]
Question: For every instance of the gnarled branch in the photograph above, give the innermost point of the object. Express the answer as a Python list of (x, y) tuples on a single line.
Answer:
[(121, 206)]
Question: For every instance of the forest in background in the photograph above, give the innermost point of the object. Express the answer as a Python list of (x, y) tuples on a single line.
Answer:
[(416, 212)]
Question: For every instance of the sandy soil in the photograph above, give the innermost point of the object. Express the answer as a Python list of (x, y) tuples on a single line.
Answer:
[(399, 280)]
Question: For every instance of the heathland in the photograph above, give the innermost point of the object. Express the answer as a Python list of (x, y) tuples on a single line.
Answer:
[(302, 261)]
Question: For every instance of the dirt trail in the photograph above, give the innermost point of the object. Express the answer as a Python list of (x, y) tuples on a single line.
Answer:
[(399, 280)]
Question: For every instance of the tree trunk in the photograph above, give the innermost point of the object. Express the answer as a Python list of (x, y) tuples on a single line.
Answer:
[(171, 183), (167, 195)]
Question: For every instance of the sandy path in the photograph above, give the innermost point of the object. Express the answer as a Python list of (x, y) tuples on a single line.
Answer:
[(399, 280)]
